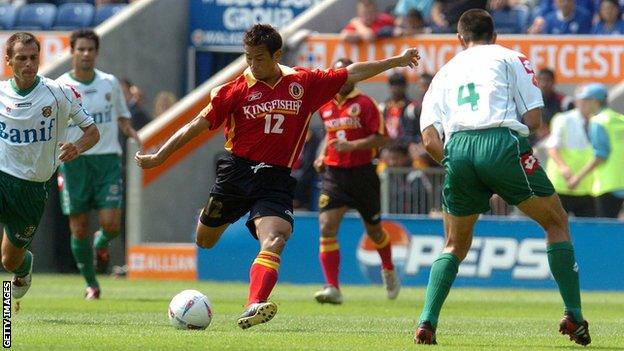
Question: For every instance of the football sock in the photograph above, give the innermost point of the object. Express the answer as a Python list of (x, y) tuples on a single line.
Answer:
[(565, 270), (329, 255), (102, 238), (263, 276), (441, 277), (384, 248), (24, 268), (83, 254)]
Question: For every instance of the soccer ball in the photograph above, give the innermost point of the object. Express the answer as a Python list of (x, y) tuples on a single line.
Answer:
[(190, 309)]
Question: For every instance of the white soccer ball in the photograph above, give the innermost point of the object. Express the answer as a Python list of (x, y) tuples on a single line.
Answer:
[(190, 309)]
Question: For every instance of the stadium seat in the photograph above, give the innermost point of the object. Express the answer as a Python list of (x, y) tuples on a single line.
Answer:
[(61, 2), (7, 16), (71, 16), (35, 17), (104, 12)]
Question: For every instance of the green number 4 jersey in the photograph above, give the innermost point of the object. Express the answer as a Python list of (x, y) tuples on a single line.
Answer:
[(485, 86)]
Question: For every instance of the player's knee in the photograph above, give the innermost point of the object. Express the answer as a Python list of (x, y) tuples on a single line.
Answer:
[(205, 242), (328, 229), (10, 263), (275, 242)]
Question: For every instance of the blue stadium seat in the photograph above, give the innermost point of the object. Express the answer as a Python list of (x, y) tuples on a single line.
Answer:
[(72, 16), (7, 16), (35, 17), (103, 12), (61, 2)]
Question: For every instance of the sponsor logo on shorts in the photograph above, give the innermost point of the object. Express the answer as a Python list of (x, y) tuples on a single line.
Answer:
[(259, 166), (289, 213), (529, 163), (113, 189), (323, 200), (28, 232)]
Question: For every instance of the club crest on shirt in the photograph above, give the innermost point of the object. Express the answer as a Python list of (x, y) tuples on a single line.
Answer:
[(296, 90), (8, 109), (46, 111), (255, 96), (354, 110), (107, 96)]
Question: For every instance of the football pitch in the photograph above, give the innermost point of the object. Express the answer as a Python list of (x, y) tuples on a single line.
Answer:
[(132, 315)]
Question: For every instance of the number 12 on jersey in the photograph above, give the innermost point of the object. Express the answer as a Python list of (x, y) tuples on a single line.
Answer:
[(471, 97), (273, 123)]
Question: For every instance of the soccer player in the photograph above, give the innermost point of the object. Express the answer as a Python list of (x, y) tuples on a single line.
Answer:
[(354, 130), (93, 180), (485, 101), (266, 112), (34, 114)]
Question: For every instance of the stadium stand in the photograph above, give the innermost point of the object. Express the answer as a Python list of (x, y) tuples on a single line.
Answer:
[(72, 15), (35, 17), (104, 12), (8, 14)]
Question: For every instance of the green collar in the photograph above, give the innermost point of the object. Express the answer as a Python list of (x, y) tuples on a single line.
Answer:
[(24, 92), (85, 82)]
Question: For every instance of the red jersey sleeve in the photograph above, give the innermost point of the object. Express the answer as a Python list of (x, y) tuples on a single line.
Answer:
[(218, 109), (324, 85), (372, 117)]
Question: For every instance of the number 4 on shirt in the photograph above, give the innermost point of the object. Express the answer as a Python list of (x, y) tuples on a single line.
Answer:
[(468, 97)]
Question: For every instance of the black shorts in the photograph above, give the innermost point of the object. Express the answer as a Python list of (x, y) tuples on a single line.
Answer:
[(245, 186), (356, 187)]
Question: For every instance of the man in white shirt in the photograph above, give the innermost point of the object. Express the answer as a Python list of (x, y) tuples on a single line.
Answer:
[(34, 114), (485, 101), (93, 180)]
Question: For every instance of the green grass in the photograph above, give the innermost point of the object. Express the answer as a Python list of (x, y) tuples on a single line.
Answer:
[(132, 316)]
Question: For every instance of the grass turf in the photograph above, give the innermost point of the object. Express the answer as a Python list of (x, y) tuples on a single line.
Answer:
[(132, 315)]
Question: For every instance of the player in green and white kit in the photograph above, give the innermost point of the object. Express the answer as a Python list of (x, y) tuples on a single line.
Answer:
[(34, 114), (485, 102), (93, 181)]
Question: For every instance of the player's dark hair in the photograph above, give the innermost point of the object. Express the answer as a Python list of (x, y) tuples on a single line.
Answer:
[(397, 79), (21, 37), (476, 25), (263, 34), (548, 72), (84, 33), (344, 60)]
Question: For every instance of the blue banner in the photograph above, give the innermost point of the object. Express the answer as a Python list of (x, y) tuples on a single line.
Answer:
[(223, 22), (506, 252)]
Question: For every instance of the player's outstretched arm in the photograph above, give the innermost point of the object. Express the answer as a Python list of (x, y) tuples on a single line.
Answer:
[(70, 151), (433, 143), (126, 128), (363, 70), (176, 141)]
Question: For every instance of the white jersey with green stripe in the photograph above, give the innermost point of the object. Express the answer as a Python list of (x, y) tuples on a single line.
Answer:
[(484, 86), (105, 101), (32, 123)]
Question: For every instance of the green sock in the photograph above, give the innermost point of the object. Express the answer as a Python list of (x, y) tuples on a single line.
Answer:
[(565, 270), (441, 277), (24, 268), (83, 254), (102, 238)]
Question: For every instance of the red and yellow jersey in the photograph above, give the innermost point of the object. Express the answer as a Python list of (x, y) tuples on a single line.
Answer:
[(268, 123), (356, 117)]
